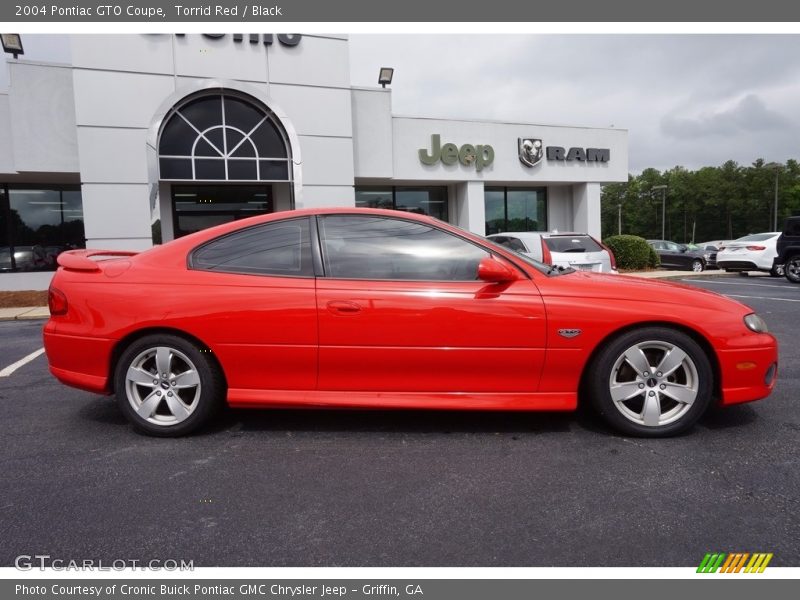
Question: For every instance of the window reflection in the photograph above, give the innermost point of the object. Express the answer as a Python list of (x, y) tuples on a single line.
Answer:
[(515, 209), (431, 201), (37, 224)]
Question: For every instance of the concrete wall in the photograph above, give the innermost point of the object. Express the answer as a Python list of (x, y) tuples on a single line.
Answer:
[(42, 118), (121, 84)]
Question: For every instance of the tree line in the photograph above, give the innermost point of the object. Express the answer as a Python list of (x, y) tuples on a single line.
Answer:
[(711, 203)]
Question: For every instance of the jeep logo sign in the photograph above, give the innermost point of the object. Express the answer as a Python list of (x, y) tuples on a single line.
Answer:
[(481, 156)]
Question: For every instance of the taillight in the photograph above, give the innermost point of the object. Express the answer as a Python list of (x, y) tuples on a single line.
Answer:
[(546, 256), (756, 248), (56, 301), (610, 254)]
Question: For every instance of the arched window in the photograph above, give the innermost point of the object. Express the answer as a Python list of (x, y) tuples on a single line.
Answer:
[(223, 137)]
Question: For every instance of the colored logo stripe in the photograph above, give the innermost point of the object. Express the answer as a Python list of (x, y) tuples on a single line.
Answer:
[(733, 563)]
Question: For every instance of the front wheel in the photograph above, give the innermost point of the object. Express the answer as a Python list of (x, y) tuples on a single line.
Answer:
[(697, 265), (792, 269), (652, 382), (166, 386)]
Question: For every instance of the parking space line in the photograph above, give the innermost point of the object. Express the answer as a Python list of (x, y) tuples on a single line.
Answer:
[(780, 287), (21, 362), (763, 298)]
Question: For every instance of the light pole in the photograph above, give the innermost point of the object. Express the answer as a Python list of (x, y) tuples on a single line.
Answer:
[(619, 219), (777, 167), (663, 189)]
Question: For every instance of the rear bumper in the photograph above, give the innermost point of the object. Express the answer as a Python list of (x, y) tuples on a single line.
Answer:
[(748, 374), (79, 362), (745, 265)]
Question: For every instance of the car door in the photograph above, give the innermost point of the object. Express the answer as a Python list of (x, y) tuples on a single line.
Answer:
[(259, 306), (400, 310)]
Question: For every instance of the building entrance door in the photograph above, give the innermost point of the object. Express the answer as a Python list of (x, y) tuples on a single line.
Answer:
[(199, 206)]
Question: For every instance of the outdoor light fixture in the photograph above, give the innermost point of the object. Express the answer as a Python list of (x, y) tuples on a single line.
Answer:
[(385, 76), (777, 167), (12, 43)]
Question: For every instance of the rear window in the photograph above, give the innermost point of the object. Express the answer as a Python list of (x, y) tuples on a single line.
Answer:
[(792, 227), (572, 243)]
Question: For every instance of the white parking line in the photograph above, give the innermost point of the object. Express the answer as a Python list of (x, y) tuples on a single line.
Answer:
[(780, 287), (21, 362), (763, 298)]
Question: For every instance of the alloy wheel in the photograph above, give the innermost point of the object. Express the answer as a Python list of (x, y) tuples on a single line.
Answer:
[(654, 383), (162, 386)]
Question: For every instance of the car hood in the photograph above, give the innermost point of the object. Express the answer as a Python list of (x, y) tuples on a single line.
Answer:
[(626, 287)]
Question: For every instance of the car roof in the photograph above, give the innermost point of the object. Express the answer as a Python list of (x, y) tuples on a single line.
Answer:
[(537, 234)]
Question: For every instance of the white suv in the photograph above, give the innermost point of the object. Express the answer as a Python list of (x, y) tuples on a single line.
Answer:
[(577, 250)]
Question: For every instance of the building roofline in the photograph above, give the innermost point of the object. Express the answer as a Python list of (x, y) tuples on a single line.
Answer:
[(504, 122)]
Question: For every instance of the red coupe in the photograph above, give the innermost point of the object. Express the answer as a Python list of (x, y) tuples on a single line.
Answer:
[(383, 309)]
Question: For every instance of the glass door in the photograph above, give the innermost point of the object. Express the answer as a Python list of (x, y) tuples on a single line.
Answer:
[(197, 207)]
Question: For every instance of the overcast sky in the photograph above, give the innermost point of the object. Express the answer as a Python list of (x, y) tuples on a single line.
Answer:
[(690, 100)]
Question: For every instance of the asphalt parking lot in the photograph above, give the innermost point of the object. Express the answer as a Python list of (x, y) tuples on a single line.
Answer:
[(361, 488)]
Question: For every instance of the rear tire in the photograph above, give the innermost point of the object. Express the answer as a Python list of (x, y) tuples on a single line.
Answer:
[(777, 271), (698, 266), (651, 382), (166, 386), (792, 268)]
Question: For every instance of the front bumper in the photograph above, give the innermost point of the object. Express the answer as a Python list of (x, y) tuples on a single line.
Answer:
[(748, 374)]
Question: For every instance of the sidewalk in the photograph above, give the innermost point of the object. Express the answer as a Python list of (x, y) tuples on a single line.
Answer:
[(42, 312), (23, 313)]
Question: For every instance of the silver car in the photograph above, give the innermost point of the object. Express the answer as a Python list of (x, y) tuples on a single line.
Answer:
[(577, 250)]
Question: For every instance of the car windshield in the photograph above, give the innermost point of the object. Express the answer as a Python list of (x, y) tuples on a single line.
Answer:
[(539, 266)]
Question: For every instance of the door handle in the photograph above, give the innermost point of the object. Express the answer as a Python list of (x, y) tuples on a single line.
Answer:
[(344, 307)]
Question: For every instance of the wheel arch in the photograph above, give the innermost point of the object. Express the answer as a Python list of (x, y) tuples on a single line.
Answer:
[(134, 336), (698, 337)]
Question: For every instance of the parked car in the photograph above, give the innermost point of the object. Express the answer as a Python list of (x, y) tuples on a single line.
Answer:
[(576, 250), (347, 307), (679, 256), (709, 250), (754, 252), (787, 247)]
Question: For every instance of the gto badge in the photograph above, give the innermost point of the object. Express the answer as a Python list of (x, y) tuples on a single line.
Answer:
[(569, 333), (531, 151)]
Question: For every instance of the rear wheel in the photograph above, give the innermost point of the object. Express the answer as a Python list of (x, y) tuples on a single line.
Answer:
[(166, 386), (792, 268), (652, 382), (697, 265), (777, 271)]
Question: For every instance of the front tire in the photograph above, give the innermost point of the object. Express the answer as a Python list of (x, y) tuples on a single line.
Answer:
[(698, 266), (166, 386), (651, 382), (792, 269)]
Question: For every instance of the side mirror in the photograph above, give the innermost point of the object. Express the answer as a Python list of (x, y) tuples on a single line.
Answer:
[(684, 248), (494, 271)]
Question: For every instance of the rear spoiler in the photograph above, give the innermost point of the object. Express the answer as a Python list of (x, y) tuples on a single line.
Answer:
[(80, 260)]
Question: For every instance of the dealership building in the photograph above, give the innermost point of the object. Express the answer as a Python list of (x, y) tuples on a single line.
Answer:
[(137, 139)]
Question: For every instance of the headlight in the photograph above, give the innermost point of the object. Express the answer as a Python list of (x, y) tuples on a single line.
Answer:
[(755, 323)]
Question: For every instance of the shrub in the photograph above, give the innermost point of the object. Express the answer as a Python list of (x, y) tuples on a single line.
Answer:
[(632, 252)]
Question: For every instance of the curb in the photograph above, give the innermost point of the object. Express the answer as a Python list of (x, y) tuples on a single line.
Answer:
[(25, 313)]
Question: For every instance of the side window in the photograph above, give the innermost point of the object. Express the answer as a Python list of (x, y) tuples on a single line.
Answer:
[(359, 247), (282, 248)]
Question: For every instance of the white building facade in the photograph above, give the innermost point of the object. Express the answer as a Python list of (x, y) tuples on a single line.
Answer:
[(139, 139)]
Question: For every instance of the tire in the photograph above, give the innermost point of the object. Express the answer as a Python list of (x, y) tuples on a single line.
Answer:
[(777, 271), (653, 405), (698, 266), (175, 401), (792, 268)]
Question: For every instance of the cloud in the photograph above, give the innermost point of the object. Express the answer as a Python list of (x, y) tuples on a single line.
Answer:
[(748, 115)]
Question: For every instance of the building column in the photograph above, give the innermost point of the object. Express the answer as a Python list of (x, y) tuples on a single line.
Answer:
[(586, 208), (470, 208)]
